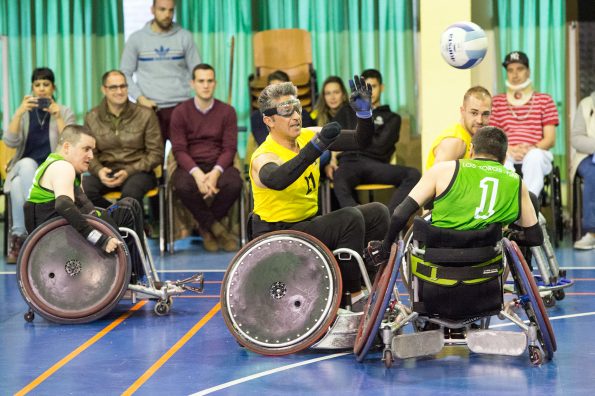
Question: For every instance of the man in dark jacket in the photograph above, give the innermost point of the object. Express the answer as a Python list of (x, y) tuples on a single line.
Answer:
[(128, 144), (372, 165)]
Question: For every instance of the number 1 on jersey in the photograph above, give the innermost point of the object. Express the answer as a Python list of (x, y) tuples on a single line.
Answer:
[(489, 191)]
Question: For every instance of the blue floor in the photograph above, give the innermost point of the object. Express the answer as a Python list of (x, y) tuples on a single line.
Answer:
[(191, 352)]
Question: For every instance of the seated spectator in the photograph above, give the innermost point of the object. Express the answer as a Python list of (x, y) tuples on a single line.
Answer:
[(33, 130), (529, 119), (333, 97), (583, 141), (371, 164), (128, 144), (259, 129), (204, 136)]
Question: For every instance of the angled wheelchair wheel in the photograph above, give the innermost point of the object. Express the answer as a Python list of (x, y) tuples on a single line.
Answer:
[(67, 280), (377, 303), (281, 293), (530, 298)]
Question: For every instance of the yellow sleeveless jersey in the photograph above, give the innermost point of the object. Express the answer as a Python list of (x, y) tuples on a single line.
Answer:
[(455, 131), (297, 202)]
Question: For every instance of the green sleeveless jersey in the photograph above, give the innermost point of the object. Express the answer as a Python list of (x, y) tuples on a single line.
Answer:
[(39, 194), (480, 193)]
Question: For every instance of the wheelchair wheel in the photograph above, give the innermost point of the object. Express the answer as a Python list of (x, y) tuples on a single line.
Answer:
[(65, 279), (377, 303), (281, 292), (532, 304), (557, 207)]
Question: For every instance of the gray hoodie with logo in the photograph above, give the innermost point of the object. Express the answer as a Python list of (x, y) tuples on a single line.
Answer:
[(161, 63)]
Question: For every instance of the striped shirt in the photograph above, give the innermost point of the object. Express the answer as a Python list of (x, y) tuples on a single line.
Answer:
[(524, 124)]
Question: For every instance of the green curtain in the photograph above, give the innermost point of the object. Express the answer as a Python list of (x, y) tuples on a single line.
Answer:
[(78, 39), (349, 36), (214, 23), (537, 27)]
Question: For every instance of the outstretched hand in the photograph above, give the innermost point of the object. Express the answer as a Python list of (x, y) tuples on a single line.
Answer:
[(360, 99)]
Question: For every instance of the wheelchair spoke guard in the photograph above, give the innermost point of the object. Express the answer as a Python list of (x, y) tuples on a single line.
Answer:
[(281, 293), (377, 303), (65, 279)]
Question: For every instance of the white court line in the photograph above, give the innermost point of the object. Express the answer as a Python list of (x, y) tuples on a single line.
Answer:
[(291, 366), (268, 372), (551, 318), (578, 268)]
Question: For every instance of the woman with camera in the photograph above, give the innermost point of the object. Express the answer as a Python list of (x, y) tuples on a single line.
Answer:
[(33, 132)]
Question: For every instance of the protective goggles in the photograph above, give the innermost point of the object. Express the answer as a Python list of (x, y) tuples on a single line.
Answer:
[(285, 109)]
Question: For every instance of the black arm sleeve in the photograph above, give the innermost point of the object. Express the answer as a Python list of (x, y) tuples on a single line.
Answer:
[(279, 178), (66, 208), (364, 132), (399, 220)]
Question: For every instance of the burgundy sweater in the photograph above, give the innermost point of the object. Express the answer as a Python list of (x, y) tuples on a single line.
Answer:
[(204, 139)]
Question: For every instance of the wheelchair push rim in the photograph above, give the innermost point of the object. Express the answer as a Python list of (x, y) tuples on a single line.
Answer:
[(281, 293), (377, 303), (65, 279), (535, 308)]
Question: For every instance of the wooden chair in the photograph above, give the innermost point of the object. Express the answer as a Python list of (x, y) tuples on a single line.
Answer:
[(289, 50)]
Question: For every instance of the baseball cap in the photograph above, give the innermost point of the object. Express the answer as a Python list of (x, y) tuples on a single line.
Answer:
[(516, 57)]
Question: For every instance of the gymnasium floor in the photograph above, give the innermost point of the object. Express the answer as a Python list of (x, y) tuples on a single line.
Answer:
[(131, 350)]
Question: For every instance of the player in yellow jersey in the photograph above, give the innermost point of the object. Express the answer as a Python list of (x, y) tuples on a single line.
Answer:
[(454, 142), (285, 176)]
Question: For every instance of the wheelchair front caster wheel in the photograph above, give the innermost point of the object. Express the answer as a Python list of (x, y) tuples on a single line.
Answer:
[(549, 301), (535, 355), (170, 302), (387, 356), (29, 316), (161, 308), (559, 294)]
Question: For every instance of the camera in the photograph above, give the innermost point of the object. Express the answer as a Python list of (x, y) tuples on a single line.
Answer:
[(43, 103), (112, 174)]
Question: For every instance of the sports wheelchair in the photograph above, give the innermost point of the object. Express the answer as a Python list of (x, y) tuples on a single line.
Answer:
[(66, 280), (281, 294), (455, 281)]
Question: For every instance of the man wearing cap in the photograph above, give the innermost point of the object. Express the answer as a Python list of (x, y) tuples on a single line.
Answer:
[(529, 119)]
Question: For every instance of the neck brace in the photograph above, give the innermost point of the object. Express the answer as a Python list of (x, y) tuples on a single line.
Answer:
[(518, 95)]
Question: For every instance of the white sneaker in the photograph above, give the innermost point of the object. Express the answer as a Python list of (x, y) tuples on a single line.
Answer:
[(587, 242)]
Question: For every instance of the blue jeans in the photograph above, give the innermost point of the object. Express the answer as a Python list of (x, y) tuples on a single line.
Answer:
[(22, 179), (587, 170)]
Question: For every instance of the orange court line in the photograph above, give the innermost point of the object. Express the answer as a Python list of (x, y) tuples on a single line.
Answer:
[(163, 359), (33, 384), (580, 293)]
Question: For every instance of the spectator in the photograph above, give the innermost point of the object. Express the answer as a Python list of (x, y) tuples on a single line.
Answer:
[(583, 141), (204, 136), (160, 56), (128, 144), (333, 97), (371, 164), (529, 119), (33, 130)]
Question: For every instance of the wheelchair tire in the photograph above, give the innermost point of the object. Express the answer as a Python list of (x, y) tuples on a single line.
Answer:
[(65, 279), (377, 303), (533, 306), (281, 293)]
